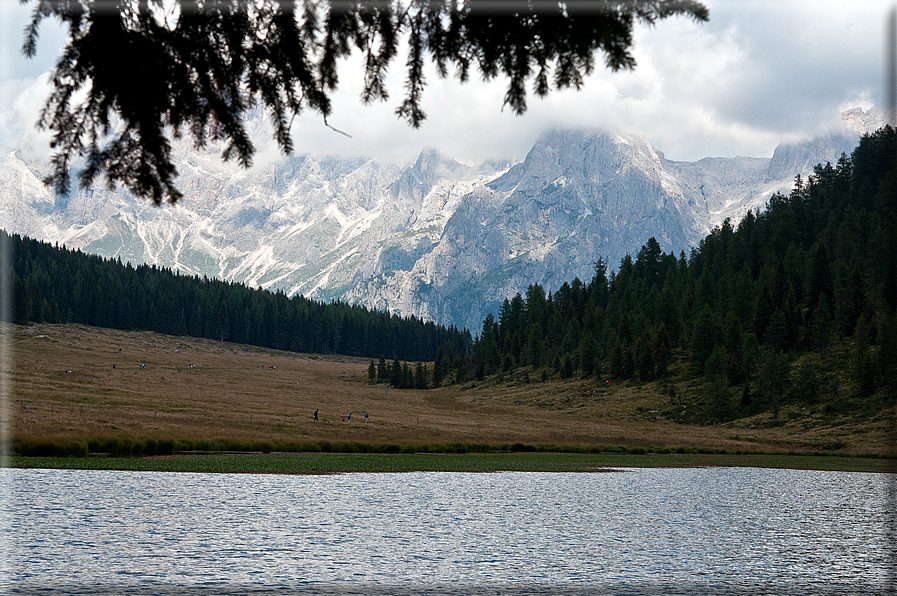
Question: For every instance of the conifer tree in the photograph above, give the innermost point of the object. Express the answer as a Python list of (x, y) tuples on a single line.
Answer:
[(704, 337), (395, 373), (587, 354), (407, 377), (420, 376), (439, 371), (808, 383), (382, 370), (773, 380), (662, 350), (820, 324), (644, 357), (715, 373), (566, 367), (507, 363), (617, 361)]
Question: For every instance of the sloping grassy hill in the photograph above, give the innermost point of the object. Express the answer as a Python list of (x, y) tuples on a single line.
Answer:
[(73, 385)]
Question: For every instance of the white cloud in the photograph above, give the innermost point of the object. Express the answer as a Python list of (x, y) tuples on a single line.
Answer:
[(19, 110), (760, 72)]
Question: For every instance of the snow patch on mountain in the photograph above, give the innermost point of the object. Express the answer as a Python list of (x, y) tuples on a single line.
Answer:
[(437, 239)]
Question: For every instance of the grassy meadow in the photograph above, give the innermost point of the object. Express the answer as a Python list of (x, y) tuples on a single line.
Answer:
[(83, 389)]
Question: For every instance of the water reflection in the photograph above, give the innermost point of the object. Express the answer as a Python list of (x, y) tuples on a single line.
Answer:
[(714, 530)]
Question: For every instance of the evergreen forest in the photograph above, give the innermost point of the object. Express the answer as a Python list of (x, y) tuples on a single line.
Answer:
[(793, 303), (55, 285)]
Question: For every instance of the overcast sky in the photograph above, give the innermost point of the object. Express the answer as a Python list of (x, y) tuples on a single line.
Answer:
[(760, 72)]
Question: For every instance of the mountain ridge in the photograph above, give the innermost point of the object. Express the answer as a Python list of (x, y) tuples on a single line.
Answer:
[(437, 239)]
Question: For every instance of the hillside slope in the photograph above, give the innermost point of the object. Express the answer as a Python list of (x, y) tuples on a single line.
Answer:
[(210, 394)]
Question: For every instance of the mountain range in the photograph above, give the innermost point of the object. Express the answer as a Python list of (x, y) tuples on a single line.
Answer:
[(437, 239)]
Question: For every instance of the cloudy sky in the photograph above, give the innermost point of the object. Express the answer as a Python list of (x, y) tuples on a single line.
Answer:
[(760, 72)]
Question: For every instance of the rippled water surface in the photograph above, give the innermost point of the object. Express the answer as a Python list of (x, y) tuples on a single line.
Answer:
[(637, 531)]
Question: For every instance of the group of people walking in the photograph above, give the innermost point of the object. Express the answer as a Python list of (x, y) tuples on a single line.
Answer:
[(345, 417)]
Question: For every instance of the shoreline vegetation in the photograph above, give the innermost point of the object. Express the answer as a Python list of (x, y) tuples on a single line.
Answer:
[(344, 463)]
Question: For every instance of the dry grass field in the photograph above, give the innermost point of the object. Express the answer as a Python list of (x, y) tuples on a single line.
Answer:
[(77, 383)]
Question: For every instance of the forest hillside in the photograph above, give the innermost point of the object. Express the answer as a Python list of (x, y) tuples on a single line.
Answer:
[(794, 304), (52, 284)]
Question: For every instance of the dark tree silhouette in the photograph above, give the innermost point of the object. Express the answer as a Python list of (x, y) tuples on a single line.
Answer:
[(151, 69)]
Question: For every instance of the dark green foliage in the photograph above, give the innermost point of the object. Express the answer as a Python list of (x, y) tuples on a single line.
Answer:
[(567, 367), (407, 377), (750, 354), (746, 394), (588, 352), (715, 366), (773, 381), (487, 347), (396, 379), (860, 346), (705, 336), (507, 363), (618, 361), (201, 71), (382, 370), (715, 372), (420, 376), (887, 354), (372, 373), (662, 350), (820, 324), (734, 338), (867, 375), (808, 383), (644, 357), (791, 280), (819, 282), (104, 292), (438, 373)]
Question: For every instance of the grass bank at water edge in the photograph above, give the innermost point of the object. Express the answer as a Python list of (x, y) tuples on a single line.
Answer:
[(335, 463)]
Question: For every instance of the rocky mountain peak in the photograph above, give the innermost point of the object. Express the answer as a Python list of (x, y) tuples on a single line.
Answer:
[(437, 239), (862, 122), (790, 159), (431, 168)]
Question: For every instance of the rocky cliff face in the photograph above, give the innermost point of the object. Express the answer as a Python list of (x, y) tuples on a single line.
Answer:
[(438, 239)]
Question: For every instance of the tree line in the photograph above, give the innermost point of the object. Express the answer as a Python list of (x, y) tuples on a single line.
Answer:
[(817, 267), (53, 284)]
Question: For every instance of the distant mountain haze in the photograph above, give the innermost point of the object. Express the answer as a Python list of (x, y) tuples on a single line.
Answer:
[(437, 239)]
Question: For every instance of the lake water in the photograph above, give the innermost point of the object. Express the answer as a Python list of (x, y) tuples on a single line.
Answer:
[(636, 531)]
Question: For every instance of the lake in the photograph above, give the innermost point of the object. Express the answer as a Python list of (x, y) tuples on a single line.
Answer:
[(633, 531)]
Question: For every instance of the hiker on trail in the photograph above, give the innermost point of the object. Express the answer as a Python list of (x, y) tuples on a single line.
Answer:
[(344, 417), (365, 417), (316, 414), (350, 416)]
